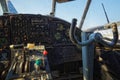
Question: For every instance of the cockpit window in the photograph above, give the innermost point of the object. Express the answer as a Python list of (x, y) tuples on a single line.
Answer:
[(73, 9), (1, 10)]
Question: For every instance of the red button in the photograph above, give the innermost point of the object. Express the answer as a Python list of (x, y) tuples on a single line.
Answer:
[(45, 52)]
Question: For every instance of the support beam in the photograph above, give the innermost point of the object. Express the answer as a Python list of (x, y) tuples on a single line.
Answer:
[(87, 58), (4, 6), (53, 8)]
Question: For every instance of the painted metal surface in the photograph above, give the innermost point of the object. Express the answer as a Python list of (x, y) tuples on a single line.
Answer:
[(8, 7)]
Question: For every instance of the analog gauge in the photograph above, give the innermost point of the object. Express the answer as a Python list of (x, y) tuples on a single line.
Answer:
[(67, 32), (57, 36), (60, 27)]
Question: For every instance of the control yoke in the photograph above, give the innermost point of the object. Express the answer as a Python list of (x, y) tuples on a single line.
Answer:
[(97, 37)]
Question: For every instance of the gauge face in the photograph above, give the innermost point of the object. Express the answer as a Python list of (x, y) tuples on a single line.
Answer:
[(61, 33), (67, 33), (60, 27), (57, 36)]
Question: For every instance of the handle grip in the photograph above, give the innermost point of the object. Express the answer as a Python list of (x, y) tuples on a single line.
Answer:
[(73, 38), (115, 36), (94, 36)]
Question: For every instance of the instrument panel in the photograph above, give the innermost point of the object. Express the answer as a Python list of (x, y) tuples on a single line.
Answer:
[(49, 31), (38, 29), (30, 28)]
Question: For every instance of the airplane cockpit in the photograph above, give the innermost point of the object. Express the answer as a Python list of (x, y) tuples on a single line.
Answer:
[(45, 47), (46, 33)]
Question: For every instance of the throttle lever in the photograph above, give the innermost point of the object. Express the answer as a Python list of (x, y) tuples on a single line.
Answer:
[(99, 37)]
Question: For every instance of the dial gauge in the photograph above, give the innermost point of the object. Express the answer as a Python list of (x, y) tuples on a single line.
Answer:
[(57, 36)]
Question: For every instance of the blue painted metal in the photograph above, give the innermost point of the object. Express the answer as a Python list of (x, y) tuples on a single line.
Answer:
[(87, 58), (8, 7), (11, 8)]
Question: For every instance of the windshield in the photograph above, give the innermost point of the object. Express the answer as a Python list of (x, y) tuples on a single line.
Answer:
[(73, 9), (1, 10)]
